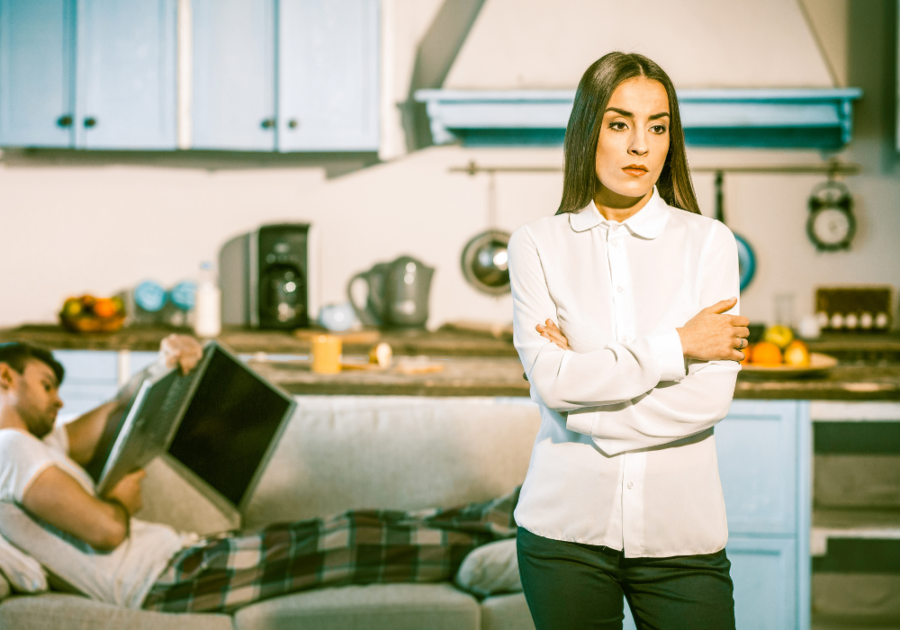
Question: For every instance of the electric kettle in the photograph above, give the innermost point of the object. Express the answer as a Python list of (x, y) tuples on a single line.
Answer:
[(397, 294)]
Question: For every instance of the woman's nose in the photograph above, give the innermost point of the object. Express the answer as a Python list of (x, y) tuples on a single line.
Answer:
[(638, 143)]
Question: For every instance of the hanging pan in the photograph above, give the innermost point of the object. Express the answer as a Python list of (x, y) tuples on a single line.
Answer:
[(746, 256)]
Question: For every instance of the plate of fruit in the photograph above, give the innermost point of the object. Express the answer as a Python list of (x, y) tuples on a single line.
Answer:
[(92, 314), (778, 353)]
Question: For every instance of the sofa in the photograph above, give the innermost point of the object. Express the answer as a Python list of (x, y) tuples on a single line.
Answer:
[(339, 453)]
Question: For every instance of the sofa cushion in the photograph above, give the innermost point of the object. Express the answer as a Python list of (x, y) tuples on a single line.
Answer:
[(374, 607), (490, 569), (506, 612), (20, 570), (394, 452), (71, 612)]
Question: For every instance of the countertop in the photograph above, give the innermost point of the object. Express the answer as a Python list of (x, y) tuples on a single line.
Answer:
[(480, 365)]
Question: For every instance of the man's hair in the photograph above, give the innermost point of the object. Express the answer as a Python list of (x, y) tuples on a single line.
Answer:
[(17, 353)]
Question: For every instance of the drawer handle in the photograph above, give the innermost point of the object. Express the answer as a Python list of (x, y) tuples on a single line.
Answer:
[(90, 122), (268, 123), (64, 121), (293, 124)]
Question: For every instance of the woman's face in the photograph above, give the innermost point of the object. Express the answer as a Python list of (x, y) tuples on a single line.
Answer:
[(634, 138)]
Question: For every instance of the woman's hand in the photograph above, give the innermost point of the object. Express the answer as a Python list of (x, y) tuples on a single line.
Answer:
[(713, 336), (550, 332)]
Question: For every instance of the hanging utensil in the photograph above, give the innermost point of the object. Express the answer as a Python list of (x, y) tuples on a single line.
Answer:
[(746, 257), (485, 260)]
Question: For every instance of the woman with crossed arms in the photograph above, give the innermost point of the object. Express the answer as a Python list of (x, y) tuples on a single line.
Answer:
[(632, 362)]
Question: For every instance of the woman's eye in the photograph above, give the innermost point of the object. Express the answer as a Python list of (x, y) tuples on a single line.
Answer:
[(658, 129), (618, 126)]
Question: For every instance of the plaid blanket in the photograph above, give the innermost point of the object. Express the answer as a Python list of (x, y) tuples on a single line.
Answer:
[(357, 547)]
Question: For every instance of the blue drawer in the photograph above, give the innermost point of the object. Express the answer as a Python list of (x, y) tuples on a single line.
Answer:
[(759, 464)]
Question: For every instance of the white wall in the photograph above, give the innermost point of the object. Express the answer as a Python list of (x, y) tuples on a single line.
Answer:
[(78, 227)]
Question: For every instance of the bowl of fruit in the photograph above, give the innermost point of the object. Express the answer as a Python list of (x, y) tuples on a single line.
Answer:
[(779, 353), (92, 314)]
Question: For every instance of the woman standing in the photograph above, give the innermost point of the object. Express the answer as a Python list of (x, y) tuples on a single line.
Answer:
[(622, 495)]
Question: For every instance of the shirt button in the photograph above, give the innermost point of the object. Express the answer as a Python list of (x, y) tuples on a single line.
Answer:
[(620, 289), (630, 485)]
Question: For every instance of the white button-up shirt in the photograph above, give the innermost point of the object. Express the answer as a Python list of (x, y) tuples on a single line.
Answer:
[(626, 455)]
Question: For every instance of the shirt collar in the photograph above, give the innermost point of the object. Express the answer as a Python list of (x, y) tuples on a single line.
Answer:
[(648, 222)]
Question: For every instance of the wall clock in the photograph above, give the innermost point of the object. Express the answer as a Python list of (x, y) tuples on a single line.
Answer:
[(831, 224)]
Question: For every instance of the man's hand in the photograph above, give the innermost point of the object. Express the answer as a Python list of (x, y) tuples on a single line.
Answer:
[(551, 332), (713, 336), (181, 350), (128, 491)]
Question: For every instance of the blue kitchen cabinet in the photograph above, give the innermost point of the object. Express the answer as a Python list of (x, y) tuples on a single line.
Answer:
[(37, 73), (292, 75), (328, 71), (233, 82), (92, 377), (126, 77), (764, 462), (764, 453), (88, 74), (89, 381)]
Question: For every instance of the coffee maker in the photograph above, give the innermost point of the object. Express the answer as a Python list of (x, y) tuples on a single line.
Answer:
[(267, 277)]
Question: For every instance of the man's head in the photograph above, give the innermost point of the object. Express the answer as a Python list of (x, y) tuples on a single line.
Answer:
[(29, 382)]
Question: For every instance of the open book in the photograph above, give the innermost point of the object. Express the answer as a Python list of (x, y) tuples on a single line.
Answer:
[(216, 426)]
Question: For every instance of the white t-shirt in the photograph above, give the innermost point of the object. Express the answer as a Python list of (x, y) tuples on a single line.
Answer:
[(122, 576)]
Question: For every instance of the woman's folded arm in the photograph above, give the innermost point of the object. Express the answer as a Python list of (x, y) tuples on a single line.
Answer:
[(665, 414), (565, 380)]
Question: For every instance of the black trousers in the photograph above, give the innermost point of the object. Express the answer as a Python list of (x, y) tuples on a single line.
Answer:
[(580, 587)]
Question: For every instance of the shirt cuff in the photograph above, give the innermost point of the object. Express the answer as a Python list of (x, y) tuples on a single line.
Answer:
[(581, 422), (666, 345)]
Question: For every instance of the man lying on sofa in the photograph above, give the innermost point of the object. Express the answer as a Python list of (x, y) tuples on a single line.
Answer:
[(50, 510)]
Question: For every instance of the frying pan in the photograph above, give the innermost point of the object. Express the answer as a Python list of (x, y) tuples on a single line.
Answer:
[(746, 256)]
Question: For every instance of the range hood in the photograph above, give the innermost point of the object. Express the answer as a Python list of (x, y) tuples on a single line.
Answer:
[(819, 118), (749, 74)]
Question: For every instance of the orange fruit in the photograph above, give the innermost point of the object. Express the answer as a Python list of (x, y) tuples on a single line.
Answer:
[(747, 352), (766, 353), (104, 307), (797, 354)]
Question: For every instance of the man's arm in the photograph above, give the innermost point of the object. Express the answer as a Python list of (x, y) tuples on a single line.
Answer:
[(85, 432), (55, 497)]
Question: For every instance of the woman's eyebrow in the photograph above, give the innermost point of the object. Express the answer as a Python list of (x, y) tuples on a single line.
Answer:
[(628, 114)]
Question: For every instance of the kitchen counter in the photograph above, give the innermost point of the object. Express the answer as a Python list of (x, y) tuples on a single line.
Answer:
[(480, 365), (503, 377)]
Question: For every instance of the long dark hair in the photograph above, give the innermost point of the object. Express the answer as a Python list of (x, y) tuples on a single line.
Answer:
[(583, 131)]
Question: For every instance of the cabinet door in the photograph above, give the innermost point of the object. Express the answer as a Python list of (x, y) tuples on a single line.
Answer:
[(234, 75), (759, 464), (765, 583), (36, 55), (126, 76), (328, 75), (90, 380)]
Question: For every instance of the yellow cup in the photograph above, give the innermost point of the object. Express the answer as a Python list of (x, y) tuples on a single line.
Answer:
[(326, 354)]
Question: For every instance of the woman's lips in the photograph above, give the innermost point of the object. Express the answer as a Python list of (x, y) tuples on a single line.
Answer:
[(634, 170)]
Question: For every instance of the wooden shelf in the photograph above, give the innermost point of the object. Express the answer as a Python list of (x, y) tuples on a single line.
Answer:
[(839, 523)]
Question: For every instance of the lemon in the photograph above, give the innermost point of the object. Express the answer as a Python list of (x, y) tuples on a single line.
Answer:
[(779, 335), (797, 354)]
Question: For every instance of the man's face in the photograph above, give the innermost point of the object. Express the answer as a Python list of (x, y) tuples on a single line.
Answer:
[(35, 394)]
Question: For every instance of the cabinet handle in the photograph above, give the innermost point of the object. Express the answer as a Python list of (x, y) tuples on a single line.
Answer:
[(293, 124), (64, 121), (90, 122), (268, 123)]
